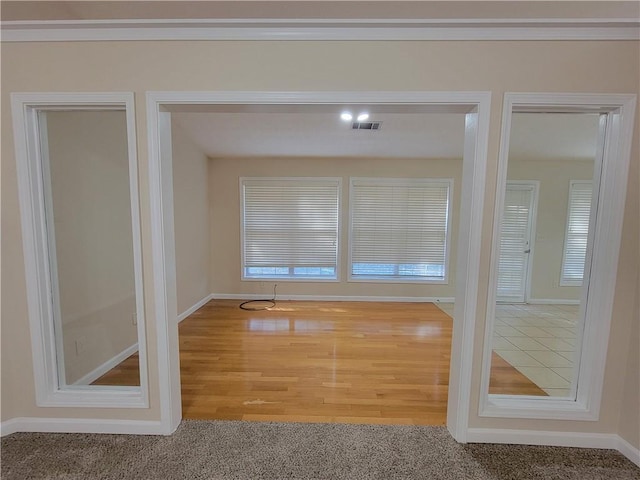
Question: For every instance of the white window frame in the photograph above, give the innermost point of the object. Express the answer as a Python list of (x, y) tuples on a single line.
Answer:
[(401, 182), (41, 285), (567, 282), (597, 303), (291, 277)]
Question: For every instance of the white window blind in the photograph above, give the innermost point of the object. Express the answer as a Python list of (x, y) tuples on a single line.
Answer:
[(514, 243), (575, 245), (399, 229), (290, 227)]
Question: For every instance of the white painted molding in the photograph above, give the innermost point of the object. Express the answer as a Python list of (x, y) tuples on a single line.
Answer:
[(553, 301), (321, 29), (604, 248), (81, 425), (628, 450), (29, 164), (555, 439), (330, 298), (474, 166), (194, 307), (537, 437), (160, 173), (476, 106), (96, 373)]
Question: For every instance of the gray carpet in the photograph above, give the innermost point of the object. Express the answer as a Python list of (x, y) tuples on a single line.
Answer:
[(251, 450)]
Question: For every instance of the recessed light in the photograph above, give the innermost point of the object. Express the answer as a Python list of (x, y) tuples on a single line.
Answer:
[(346, 116), (363, 116)]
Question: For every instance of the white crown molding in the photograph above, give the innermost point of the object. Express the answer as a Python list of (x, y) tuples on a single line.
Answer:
[(321, 29)]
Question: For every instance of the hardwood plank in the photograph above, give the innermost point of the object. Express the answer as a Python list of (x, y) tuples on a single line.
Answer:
[(352, 362)]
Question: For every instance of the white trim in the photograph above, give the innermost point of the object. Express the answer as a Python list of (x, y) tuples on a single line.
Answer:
[(331, 298), (628, 450), (199, 304), (468, 267), (597, 305), (50, 391), (556, 439), (553, 301), (477, 104), (95, 374), (80, 425), (321, 29), (537, 437), (164, 263)]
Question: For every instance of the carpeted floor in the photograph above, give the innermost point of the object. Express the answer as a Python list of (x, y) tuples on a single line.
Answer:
[(251, 450)]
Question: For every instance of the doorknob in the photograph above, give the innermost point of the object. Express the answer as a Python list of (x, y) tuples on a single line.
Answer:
[(527, 251)]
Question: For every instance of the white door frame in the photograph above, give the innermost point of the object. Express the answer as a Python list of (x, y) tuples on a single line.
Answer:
[(477, 104)]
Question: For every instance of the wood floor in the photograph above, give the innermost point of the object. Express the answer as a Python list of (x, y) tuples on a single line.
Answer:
[(348, 362)]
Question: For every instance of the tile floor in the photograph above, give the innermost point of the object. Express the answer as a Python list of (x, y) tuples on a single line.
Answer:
[(539, 341)]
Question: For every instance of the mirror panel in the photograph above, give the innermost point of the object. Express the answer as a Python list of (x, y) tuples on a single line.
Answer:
[(91, 245), (542, 271)]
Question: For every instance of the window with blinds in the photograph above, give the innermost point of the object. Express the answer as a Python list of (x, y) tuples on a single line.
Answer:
[(575, 245), (290, 228), (399, 229)]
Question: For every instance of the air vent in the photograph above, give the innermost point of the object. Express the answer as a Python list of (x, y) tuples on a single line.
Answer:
[(366, 125)]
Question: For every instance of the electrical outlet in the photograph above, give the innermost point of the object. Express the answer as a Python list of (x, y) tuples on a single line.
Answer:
[(134, 318)]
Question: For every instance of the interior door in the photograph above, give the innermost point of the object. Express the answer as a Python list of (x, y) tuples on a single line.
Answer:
[(515, 242)]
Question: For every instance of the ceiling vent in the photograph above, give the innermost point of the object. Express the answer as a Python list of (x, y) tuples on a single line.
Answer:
[(366, 125)]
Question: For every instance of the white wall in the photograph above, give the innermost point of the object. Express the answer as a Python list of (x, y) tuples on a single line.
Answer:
[(89, 166), (191, 219)]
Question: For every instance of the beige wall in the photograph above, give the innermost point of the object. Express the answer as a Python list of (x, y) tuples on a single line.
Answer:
[(551, 220), (531, 66), (89, 167), (191, 219), (629, 423), (630, 412), (225, 221)]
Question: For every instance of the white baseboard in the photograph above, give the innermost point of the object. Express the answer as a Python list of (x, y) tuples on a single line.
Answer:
[(96, 373), (556, 439), (628, 450), (552, 301), (195, 307), (329, 298), (82, 425)]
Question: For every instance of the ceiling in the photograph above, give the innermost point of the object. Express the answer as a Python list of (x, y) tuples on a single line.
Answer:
[(296, 9), (318, 131)]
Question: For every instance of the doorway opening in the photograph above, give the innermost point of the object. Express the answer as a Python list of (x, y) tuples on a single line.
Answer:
[(474, 109)]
